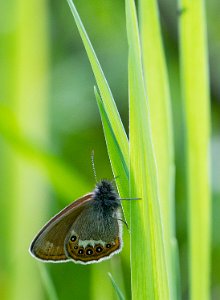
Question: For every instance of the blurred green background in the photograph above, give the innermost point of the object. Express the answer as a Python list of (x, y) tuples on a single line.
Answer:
[(49, 125)]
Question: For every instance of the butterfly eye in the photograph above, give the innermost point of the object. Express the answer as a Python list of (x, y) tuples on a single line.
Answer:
[(108, 246), (73, 238)]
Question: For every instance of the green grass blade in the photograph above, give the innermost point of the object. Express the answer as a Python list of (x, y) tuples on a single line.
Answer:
[(149, 273), (103, 86), (195, 85), (156, 81), (62, 177), (176, 268), (47, 282), (116, 287), (115, 135), (118, 161), (28, 96), (116, 139), (119, 165)]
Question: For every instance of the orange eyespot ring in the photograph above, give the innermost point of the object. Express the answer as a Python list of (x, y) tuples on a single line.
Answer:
[(99, 249), (81, 251), (73, 238), (89, 252)]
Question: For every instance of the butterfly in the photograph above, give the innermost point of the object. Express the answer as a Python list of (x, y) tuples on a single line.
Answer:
[(89, 230)]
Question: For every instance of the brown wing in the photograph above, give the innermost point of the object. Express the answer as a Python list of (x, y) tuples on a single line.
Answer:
[(93, 253), (48, 245), (94, 237)]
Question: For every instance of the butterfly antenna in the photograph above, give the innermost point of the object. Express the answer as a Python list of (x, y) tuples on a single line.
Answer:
[(93, 166), (128, 199)]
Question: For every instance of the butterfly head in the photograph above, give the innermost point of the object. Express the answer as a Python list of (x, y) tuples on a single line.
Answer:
[(106, 195)]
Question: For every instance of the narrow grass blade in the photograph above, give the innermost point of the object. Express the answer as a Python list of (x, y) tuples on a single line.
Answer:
[(116, 287), (116, 139), (119, 166), (62, 177), (103, 86), (156, 81), (176, 271), (47, 282), (149, 273), (28, 96), (195, 89), (105, 291), (118, 161)]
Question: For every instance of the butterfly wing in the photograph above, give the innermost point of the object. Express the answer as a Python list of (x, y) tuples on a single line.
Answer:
[(94, 237), (48, 245)]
